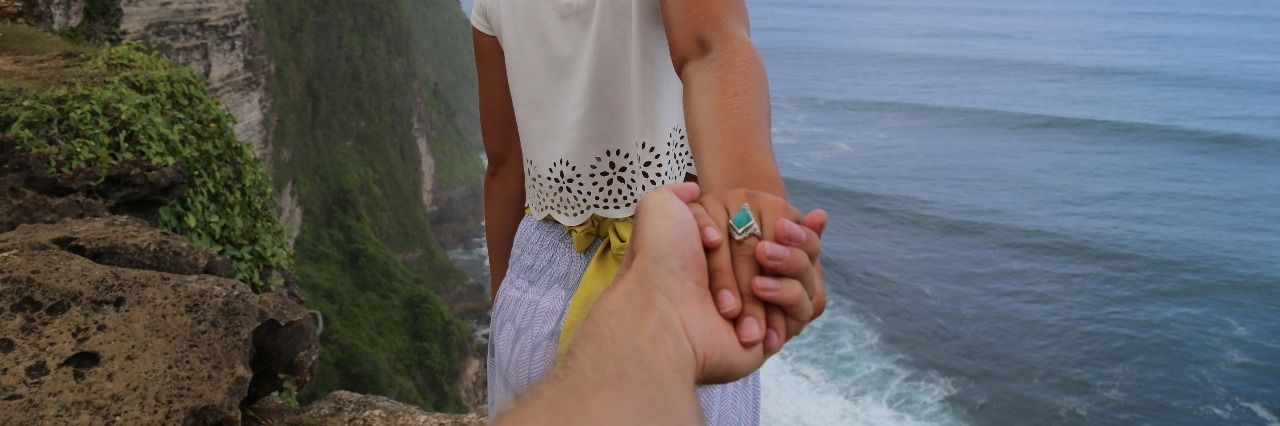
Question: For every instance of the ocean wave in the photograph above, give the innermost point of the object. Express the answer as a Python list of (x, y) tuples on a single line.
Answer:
[(1119, 131), (838, 373), (1263, 413), (1071, 245)]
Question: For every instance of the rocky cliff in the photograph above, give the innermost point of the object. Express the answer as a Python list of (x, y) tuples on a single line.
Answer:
[(373, 171), (106, 320), (217, 39), (54, 15)]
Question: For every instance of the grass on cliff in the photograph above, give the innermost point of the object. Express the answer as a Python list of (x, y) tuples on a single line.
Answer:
[(128, 104), (34, 60), (353, 81)]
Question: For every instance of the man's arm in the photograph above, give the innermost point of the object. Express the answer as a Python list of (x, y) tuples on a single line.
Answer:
[(504, 176), (630, 366)]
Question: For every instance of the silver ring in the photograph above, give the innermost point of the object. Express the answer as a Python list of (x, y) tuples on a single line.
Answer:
[(743, 224)]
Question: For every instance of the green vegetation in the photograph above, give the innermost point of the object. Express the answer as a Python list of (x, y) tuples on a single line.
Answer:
[(352, 81), (128, 103)]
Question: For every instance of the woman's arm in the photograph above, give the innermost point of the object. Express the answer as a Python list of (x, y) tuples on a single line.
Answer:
[(726, 101), (504, 176), (726, 94)]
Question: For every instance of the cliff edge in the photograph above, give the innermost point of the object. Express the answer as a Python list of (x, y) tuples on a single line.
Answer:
[(104, 318)]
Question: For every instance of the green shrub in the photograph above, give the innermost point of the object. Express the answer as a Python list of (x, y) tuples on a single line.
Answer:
[(148, 108)]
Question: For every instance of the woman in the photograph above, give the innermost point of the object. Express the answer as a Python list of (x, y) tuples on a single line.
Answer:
[(585, 106)]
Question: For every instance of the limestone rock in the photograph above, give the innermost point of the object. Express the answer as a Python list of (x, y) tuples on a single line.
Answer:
[(119, 241), (87, 343), (56, 15), (472, 381), (343, 408), (65, 13), (219, 40), (97, 344), (286, 342)]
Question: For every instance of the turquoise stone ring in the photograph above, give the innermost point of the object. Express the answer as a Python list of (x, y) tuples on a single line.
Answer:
[(743, 224)]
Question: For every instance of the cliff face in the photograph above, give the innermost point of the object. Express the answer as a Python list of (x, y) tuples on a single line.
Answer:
[(55, 15), (218, 40), (104, 317), (224, 43), (368, 137), (364, 111)]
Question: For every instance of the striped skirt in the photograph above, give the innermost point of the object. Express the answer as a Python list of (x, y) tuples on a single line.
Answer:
[(529, 312)]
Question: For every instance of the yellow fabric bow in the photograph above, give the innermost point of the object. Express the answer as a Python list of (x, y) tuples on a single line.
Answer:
[(600, 272)]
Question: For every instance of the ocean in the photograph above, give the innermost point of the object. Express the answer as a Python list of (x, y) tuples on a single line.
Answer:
[(1041, 212)]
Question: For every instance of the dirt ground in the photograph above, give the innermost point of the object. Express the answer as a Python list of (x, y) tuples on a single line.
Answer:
[(31, 59)]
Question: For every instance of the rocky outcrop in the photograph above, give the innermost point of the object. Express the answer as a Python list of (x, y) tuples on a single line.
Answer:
[(32, 195), (427, 163), (351, 409), (118, 241), (473, 382), (55, 15), (109, 321), (456, 220), (217, 39)]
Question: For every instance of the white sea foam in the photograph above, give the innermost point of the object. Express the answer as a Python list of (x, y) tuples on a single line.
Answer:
[(837, 373), (1262, 412), (1239, 330)]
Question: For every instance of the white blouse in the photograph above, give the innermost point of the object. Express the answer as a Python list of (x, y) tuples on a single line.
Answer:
[(597, 102)]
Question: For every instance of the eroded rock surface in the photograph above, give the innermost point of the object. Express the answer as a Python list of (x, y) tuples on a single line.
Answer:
[(119, 241), (139, 340)]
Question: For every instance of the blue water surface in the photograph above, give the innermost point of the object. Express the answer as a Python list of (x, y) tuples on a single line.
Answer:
[(1042, 212)]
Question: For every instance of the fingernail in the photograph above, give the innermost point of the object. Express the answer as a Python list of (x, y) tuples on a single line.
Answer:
[(774, 252), (725, 301), (748, 329), (795, 235), (711, 234), (767, 284), (771, 339)]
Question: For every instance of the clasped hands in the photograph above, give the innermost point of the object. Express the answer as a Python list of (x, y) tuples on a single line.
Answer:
[(788, 250), (656, 332), (741, 300)]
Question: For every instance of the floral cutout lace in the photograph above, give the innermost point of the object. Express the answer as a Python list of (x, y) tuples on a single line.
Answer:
[(611, 184)]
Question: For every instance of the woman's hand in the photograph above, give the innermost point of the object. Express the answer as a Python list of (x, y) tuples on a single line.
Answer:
[(786, 250), (793, 259)]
